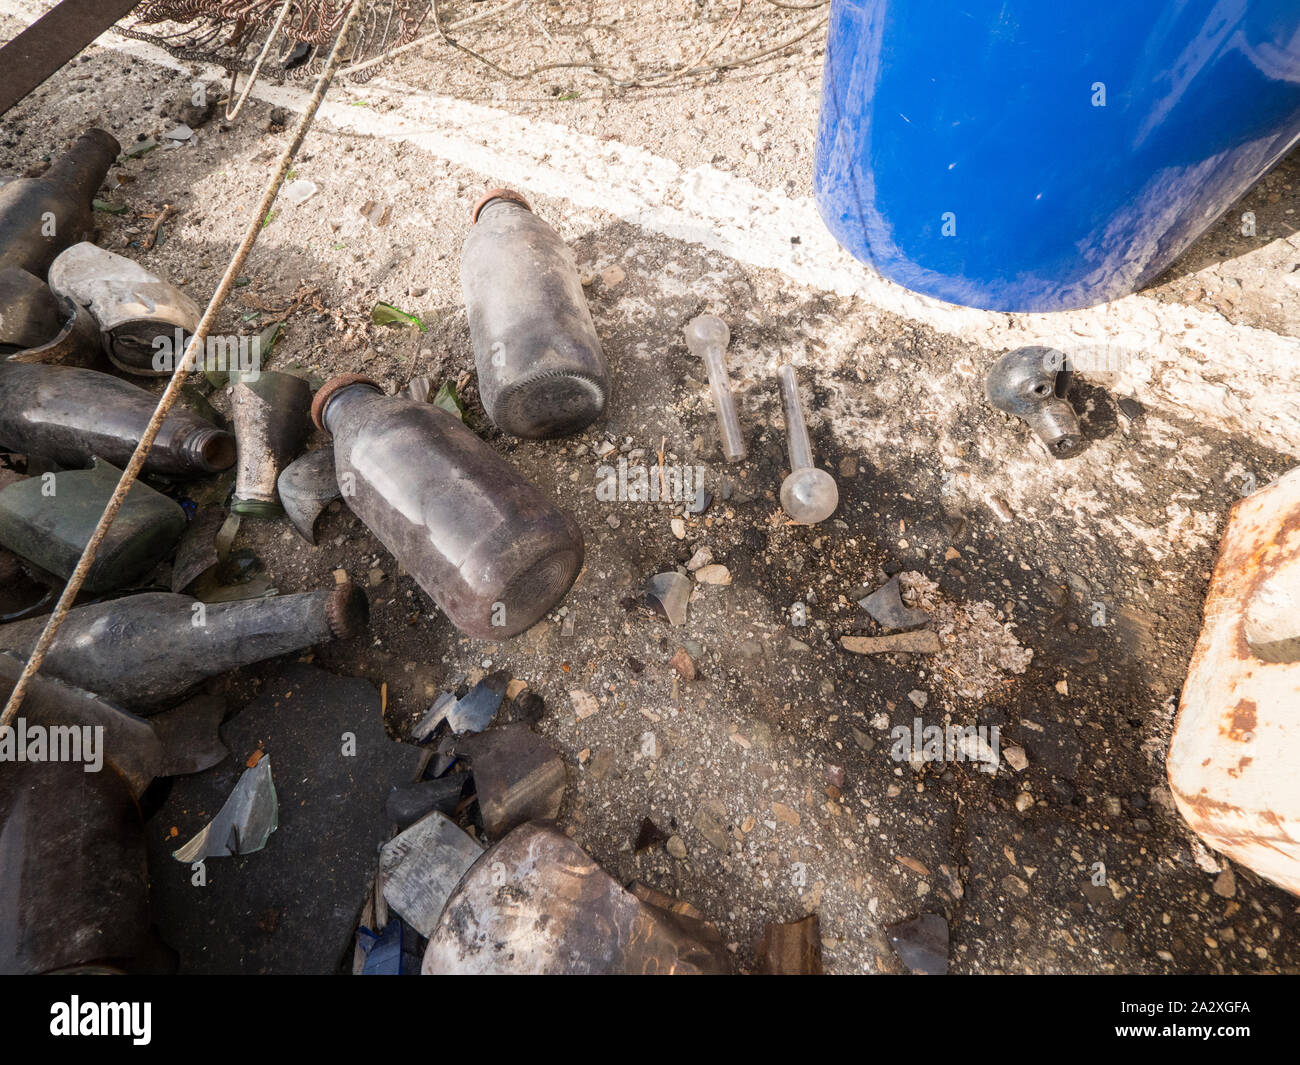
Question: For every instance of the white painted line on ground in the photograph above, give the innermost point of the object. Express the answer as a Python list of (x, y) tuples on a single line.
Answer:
[(1195, 362)]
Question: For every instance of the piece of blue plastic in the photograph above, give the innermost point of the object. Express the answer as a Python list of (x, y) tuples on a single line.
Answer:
[(383, 952), (1024, 155)]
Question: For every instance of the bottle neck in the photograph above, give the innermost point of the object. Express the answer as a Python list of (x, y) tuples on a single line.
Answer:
[(84, 166), (346, 399)]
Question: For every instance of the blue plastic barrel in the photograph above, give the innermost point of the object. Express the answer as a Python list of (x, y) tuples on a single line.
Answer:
[(1030, 155)]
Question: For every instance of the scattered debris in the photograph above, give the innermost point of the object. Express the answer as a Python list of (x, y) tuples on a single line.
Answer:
[(922, 944), (535, 903), (885, 605), (518, 777), (976, 650), (471, 713), (243, 824), (793, 949), (1031, 383), (419, 868), (923, 642), (669, 593)]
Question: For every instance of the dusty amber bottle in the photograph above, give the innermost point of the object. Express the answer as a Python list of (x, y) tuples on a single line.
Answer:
[(71, 415), (487, 546)]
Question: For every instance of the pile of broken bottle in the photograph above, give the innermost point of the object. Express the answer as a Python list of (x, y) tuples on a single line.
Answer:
[(492, 552)]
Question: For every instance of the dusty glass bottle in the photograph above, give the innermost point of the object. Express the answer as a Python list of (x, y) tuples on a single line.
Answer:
[(541, 370), (70, 415), (41, 216), (144, 650), (487, 546)]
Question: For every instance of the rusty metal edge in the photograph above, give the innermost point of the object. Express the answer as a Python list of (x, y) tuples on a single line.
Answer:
[(51, 41)]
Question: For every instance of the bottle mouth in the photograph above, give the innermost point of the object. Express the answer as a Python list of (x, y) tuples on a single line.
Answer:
[(212, 450), (348, 610), (499, 194), (330, 389)]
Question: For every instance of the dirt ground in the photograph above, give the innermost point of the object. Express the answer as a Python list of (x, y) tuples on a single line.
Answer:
[(1097, 565)]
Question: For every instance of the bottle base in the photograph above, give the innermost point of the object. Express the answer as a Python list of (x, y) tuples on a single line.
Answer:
[(550, 404)]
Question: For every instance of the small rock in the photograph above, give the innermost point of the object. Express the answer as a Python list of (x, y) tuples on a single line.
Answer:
[(711, 821), (584, 703), (1024, 801), (299, 191), (679, 528), (713, 574), (612, 275), (835, 776), (848, 466), (786, 814), (676, 847), (650, 747), (1013, 885), (1062, 687), (918, 698), (1225, 884), (682, 662), (701, 558), (1016, 758)]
